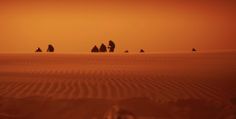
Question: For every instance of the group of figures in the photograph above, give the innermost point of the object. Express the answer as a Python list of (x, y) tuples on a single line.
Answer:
[(50, 49), (104, 48)]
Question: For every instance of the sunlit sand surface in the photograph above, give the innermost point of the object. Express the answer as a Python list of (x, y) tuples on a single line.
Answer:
[(118, 86)]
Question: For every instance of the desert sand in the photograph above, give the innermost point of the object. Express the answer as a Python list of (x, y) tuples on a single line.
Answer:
[(109, 86)]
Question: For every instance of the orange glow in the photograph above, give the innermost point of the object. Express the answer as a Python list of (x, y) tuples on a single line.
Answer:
[(152, 25)]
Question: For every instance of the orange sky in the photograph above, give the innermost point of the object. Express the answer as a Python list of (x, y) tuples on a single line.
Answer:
[(176, 25)]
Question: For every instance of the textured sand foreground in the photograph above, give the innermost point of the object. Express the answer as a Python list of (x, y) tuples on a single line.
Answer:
[(145, 86)]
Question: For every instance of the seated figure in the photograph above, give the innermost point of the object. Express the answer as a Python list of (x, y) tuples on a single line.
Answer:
[(103, 48), (38, 50), (50, 48), (95, 49)]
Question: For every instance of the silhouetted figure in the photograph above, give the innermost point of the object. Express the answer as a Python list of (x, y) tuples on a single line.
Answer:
[(50, 48), (111, 46), (38, 50), (126, 51), (141, 51), (95, 49), (194, 50), (103, 48)]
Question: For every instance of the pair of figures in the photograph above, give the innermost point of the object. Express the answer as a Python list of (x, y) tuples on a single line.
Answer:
[(103, 47), (50, 49)]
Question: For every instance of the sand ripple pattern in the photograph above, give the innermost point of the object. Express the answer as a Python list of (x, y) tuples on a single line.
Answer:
[(159, 78)]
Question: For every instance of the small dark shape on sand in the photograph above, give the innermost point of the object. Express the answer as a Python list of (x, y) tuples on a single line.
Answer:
[(38, 50), (95, 49), (103, 48), (141, 51), (117, 113), (126, 51), (111, 46), (194, 50), (50, 48)]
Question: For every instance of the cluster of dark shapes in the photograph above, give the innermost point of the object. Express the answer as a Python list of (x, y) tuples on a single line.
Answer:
[(50, 49), (111, 48), (104, 48)]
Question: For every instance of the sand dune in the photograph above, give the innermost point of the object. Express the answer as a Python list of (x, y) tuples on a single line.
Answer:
[(170, 86)]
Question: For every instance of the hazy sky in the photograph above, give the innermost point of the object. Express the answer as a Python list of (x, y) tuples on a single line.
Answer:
[(76, 26)]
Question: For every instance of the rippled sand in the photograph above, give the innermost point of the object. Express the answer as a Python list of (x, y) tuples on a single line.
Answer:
[(143, 86)]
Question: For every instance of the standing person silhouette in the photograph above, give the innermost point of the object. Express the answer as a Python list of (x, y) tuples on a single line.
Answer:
[(111, 46)]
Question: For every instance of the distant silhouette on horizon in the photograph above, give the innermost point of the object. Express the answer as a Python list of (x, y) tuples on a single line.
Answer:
[(194, 50), (95, 49), (103, 48), (50, 48), (38, 50), (141, 51), (111, 46), (126, 51)]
